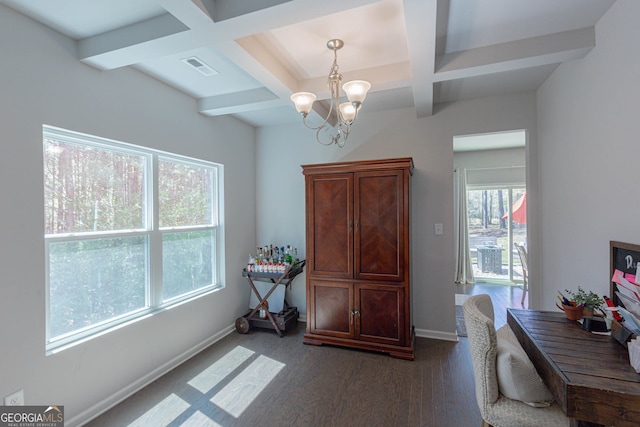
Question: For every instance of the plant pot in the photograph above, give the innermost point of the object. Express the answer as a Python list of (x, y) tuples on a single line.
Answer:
[(572, 312)]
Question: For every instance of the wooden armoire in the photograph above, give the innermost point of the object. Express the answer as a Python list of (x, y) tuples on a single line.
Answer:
[(357, 250)]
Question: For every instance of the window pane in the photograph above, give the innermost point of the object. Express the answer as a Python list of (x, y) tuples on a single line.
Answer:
[(490, 236), (95, 280), (519, 214), (88, 188), (185, 194), (186, 262)]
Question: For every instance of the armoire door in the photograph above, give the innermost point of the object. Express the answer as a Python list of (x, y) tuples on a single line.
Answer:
[(330, 216), (380, 313), (379, 216), (329, 308)]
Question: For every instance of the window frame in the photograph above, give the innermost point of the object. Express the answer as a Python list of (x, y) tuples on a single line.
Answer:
[(154, 262)]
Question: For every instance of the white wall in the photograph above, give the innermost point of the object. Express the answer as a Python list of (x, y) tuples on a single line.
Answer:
[(589, 154), (376, 135), (41, 82)]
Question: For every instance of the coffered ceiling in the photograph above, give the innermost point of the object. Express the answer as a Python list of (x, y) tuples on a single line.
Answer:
[(255, 53)]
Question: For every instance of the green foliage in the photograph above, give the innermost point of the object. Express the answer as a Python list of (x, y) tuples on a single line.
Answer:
[(184, 194), (590, 299), (186, 262), (485, 208), (92, 281)]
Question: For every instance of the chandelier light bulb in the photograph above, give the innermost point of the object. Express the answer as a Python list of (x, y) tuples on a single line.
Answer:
[(348, 111), (356, 90), (303, 102)]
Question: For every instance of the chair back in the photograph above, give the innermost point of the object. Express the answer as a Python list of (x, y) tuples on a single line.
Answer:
[(522, 253), (483, 344)]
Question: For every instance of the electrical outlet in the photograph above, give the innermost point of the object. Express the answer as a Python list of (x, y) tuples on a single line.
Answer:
[(15, 399)]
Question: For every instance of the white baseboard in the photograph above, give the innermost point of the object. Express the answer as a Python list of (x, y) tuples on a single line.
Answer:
[(437, 335), (106, 404)]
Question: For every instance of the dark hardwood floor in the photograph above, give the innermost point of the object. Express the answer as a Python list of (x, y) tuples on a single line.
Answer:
[(502, 297), (261, 379)]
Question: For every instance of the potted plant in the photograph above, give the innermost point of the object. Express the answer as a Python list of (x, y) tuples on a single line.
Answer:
[(590, 301)]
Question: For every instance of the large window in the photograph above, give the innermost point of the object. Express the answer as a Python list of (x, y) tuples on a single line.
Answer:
[(128, 231)]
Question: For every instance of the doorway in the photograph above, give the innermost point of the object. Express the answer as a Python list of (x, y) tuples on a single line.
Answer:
[(490, 214), (490, 210)]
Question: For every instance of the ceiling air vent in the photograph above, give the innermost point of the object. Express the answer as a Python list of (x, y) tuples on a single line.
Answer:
[(200, 66)]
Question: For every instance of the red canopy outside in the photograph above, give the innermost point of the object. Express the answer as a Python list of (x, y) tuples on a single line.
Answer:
[(519, 210)]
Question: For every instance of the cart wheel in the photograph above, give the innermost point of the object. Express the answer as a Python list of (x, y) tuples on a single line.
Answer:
[(242, 325)]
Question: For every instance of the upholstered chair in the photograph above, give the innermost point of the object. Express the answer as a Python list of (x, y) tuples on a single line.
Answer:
[(496, 409)]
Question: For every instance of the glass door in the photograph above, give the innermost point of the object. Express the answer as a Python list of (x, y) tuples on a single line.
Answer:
[(496, 220)]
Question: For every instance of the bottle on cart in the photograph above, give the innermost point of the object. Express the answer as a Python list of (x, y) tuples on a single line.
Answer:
[(288, 258), (295, 255), (264, 308)]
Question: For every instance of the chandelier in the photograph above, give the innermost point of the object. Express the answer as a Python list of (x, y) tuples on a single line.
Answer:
[(345, 113)]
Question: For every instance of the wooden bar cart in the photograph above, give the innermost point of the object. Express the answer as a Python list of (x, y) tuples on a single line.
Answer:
[(280, 321)]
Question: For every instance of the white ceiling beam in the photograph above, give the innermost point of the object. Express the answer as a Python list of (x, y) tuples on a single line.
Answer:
[(421, 17), (130, 44), (220, 10), (392, 76), (536, 51), (238, 102), (254, 58), (196, 14), (260, 18)]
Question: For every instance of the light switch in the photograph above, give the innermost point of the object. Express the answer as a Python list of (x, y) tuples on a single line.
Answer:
[(438, 228)]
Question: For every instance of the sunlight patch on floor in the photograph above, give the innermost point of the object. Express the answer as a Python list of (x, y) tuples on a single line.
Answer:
[(201, 420), (236, 396), (168, 410), (214, 374)]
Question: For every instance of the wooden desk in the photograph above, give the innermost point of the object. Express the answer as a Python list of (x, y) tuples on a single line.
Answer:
[(589, 375)]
